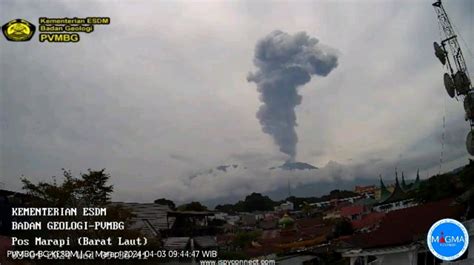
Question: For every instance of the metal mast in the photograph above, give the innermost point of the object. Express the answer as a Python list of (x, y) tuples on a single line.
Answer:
[(457, 81)]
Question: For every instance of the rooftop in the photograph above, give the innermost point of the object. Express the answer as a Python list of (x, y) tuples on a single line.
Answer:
[(407, 225), (397, 195), (352, 210), (368, 221), (150, 218)]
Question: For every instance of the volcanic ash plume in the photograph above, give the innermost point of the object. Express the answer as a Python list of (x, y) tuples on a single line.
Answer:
[(285, 62)]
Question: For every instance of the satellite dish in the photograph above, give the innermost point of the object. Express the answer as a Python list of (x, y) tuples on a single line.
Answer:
[(470, 144), (439, 52), (461, 82), (449, 85), (469, 105)]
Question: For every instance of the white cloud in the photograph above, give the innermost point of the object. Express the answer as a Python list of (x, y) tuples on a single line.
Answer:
[(167, 80)]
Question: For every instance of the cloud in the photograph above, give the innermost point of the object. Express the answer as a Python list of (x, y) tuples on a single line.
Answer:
[(157, 99)]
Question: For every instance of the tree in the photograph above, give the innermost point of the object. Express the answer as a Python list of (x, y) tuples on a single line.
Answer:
[(193, 206), (251, 203), (244, 238), (342, 227), (163, 201), (93, 188), (226, 208), (89, 190), (439, 187), (258, 202), (307, 208)]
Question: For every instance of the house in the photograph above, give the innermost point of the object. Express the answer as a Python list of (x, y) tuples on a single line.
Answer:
[(398, 199), (367, 222), (150, 218), (269, 222), (176, 243), (366, 190), (353, 212), (401, 236), (248, 219), (230, 219), (190, 224), (293, 235), (336, 202), (284, 207), (333, 214), (205, 242)]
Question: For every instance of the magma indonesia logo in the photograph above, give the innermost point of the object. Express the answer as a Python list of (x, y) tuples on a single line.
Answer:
[(18, 30), (448, 239)]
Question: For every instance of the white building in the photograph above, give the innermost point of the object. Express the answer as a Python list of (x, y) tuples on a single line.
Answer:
[(403, 255), (286, 206)]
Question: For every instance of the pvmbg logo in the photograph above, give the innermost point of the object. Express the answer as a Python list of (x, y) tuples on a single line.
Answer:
[(448, 239), (18, 30)]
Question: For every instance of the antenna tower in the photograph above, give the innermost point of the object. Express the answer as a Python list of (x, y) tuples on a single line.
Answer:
[(457, 81)]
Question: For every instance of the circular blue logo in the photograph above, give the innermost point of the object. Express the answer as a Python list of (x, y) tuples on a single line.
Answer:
[(448, 239)]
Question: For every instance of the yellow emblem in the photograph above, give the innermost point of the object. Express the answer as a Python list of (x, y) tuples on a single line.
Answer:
[(18, 30)]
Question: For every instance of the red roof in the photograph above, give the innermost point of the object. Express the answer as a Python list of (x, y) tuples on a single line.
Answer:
[(260, 251), (369, 220), (309, 222), (405, 226), (305, 232), (348, 211), (340, 205)]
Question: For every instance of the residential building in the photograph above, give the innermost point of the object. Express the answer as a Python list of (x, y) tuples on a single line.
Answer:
[(398, 199), (401, 236)]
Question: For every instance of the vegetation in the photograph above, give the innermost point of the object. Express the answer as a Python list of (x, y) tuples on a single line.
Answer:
[(193, 206), (167, 202), (86, 190), (244, 239), (307, 208), (251, 203), (259, 202), (448, 185)]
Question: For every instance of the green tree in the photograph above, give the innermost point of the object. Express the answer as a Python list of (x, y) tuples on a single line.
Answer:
[(226, 208), (93, 188), (244, 238), (193, 206), (258, 202), (439, 187), (307, 208), (163, 201), (88, 190)]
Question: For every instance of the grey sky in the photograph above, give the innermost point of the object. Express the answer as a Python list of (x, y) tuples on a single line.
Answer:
[(161, 94)]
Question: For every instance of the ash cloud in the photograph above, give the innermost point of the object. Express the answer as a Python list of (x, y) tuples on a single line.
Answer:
[(284, 62)]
